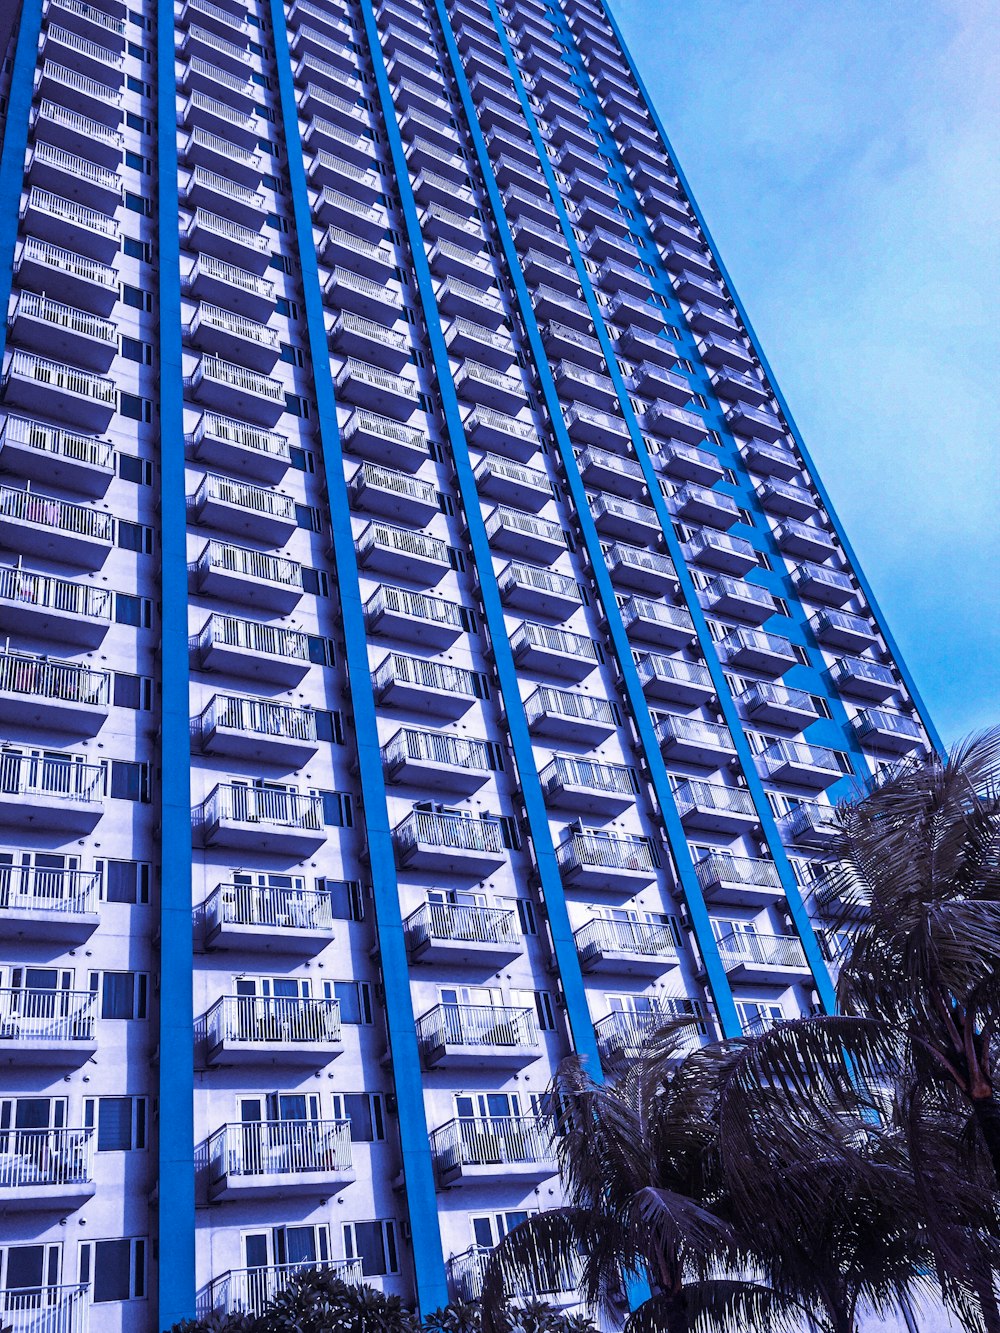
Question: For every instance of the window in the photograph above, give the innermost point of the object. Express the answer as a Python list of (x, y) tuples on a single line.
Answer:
[(135, 611), (297, 405), (125, 881), (135, 537), (315, 581), (138, 123), (120, 1122), (322, 652), (307, 517), (115, 1269), (135, 408), (135, 469), (285, 306), (291, 354), (123, 995), (134, 692), (821, 705), (135, 85), (541, 1002), (138, 52), (135, 203), (133, 349), (355, 1001), (302, 459), (526, 916), (374, 1243), (338, 808), (366, 1112), (138, 249), (346, 898), (129, 781), (137, 297)]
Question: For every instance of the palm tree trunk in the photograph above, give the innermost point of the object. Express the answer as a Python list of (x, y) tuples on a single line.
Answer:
[(987, 1114)]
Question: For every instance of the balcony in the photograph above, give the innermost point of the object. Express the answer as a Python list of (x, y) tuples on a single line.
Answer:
[(48, 217), (215, 18), (777, 705), (811, 825), (266, 820), (40, 905), (456, 261), (398, 613), (478, 1149), (223, 333), (631, 311), (840, 629), (632, 948), (485, 346), (739, 881), (588, 786), (705, 318), (230, 242), (667, 421), (642, 345), (47, 1027), (383, 441), (393, 494), (605, 471), (448, 843), (52, 695), (239, 574), (462, 933), (319, 101), (615, 517), (513, 438), (226, 387), (41, 1169), (383, 549), (246, 450), (202, 76), (754, 422), (514, 531), (573, 346), (699, 504), (466, 1274), (32, 523), (622, 1034), (817, 583), (887, 731), (248, 511), (554, 652), (60, 391), (861, 678), (787, 499), (93, 60), (263, 918), (717, 351), (363, 258), (418, 685), (347, 184), (764, 960), (742, 387), (654, 381), (444, 224), (219, 154), (537, 238), (657, 622), (674, 680), (199, 42), (588, 425), (500, 479), (773, 460), (481, 384), (437, 761), (250, 1291), (569, 715), (799, 764), (43, 325), (538, 590), (36, 450), (721, 551), (90, 97), (467, 1036), (279, 1159), (458, 298), (253, 1029), (689, 740), (714, 808), (377, 390), (309, 69), (353, 335), (257, 730), (646, 571), (431, 188), (579, 385), (45, 268), (54, 608), (740, 600), (768, 653), (219, 118)]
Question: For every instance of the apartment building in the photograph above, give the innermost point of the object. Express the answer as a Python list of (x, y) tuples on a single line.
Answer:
[(427, 647)]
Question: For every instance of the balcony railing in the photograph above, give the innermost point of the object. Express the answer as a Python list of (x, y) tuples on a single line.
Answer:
[(102, 178), (30, 1158), (57, 890), (255, 499), (225, 430), (44, 678), (401, 601), (259, 717), (468, 1270), (714, 796), (557, 640), (46, 592), (563, 770), (622, 1034), (280, 1148), (476, 1025), (250, 1290), (753, 872), (68, 379), (650, 939), (254, 636), (777, 951), (269, 907), (32, 306), (420, 671), (46, 1309), (441, 829), (607, 851), (496, 1141), (253, 565), (799, 753), (584, 707), (257, 805), (46, 1017), (463, 923), (436, 747), (32, 776), (68, 261), (265, 1020), (86, 449)]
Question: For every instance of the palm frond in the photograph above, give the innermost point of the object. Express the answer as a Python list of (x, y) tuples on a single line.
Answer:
[(721, 1305)]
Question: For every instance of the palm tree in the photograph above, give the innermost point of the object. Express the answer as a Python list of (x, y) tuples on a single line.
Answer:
[(316, 1301), (645, 1204)]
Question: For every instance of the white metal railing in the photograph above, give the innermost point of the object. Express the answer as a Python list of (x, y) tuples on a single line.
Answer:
[(268, 1020), (45, 511), (758, 640), (239, 194), (238, 377), (79, 124), (52, 257), (30, 776), (280, 1148), (419, 671), (33, 306), (254, 636), (356, 207), (232, 81), (402, 540), (399, 483), (654, 666), (636, 557), (102, 55), (497, 379), (569, 703), (722, 586), (530, 525), (225, 148), (516, 575), (251, 1290), (530, 633), (232, 231), (255, 499), (54, 440), (32, 1158), (376, 377), (592, 456), (738, 947), (464, 291), (377, 291), (710, 734), (489, 418), (793, 527), (642, 608), (639, 514), (714, 796), (46, 1017), (623, 1033), (846, 669), (608, 851), (58, 375), (873, 720), (348, 322), (402, 601), (43, 889), (781, 752), (468, 1271), (463, 922), (226, 430), (721, 868), (260, 717), (650, 939), (47, 592), (46, 1309), (81, 83), (809, 817), (446, 830), (237, 326), (275, 907), (436, 747), (45, 678), (223, 16), (494, 465), (264, 805), (710, 540), (807, 572), (764, 692), (81, 167), (196, 33), (220, 110), (564, 770), (253, 565), (374, 250), (842, 620), (93, 15), (494, 1141), (481, 1025)]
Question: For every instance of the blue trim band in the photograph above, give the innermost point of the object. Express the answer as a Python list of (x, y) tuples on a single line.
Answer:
[(563, 944), (835, 523), (175, 1166), (643, 721), (418, 1168), (15, 145)]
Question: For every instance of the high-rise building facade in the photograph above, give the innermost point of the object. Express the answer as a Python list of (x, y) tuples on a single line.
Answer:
[(427, 647)]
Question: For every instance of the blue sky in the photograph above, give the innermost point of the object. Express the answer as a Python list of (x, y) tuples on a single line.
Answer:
[(845, 155)]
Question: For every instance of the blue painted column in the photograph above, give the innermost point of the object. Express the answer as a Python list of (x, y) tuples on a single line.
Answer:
[(718, 982), (563, 945), (175, 1201), (418, 1167), (835, 523), (15, 144)]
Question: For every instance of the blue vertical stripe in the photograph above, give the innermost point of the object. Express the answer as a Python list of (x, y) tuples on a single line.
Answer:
[(15, 143), (418, 1169)]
